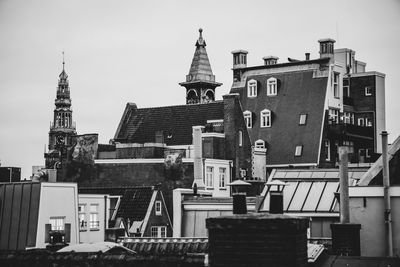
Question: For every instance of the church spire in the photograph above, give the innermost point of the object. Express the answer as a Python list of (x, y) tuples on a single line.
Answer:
[(200, 83)]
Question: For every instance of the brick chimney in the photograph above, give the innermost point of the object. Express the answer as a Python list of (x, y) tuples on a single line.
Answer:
[(326, 48), (270, 60), (257, 240), (198, 155)]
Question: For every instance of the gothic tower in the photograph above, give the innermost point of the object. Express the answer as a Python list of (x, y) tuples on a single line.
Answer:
[(200, 82), (62, 128)]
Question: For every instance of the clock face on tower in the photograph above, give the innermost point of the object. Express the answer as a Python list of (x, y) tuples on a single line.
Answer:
[(60, 140)]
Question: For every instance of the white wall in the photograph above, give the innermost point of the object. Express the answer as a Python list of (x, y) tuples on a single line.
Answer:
[(58, 200), (216, 164), (86, 234)]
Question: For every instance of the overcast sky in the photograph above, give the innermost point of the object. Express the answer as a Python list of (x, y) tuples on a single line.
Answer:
[(138, 51)]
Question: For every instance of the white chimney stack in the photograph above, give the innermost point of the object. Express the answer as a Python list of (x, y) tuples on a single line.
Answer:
[(198, 154)]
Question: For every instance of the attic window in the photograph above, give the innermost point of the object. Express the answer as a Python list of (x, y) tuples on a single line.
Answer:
[(252, 88), (272, 86), (265, 118), (303, 119), (259, 144), (248, 119), (299, 151), (158, 208)]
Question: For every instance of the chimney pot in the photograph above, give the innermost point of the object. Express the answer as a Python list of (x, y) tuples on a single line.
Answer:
[(307, 56), (270, 60)]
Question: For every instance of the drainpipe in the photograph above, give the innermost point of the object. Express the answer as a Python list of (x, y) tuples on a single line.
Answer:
[(386, 195), (344, 186)]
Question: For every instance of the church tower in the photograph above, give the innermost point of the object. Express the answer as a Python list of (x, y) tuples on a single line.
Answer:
[(200, 82), (62, 128)]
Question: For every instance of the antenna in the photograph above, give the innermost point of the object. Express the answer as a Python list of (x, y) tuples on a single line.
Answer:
[(63, 59)]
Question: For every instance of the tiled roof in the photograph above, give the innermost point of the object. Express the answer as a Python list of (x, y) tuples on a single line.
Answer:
[(175, 122), (298, 93), (134, 201), (166, 246)]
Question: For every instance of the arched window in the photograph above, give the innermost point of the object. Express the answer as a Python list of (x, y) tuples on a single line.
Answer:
[(265, 116), (272, 86), (209, 96), (252, 88), (247, 119), (192, 97), (259, 144)]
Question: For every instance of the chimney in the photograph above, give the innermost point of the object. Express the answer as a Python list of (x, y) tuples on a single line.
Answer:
[(270, 60), (198, 154), (307, 56), (257, 239), (326, 48), (239, 59)]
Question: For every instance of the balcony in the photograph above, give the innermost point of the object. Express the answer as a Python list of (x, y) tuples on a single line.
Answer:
[(342, 129)]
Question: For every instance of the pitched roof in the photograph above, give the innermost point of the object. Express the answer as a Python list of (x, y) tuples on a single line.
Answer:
[(134, 200), (298, 93), (175, 122)]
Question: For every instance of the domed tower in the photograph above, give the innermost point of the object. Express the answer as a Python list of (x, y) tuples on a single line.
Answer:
[(62, 128), (200, 82)]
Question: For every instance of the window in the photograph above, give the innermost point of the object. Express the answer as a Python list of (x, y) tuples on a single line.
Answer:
[(346, 88), (349, 145), (57, 223), (240, 138), (158, 231), (348, 118), (368, 153), (368, 91), (252, 88), (303, 119), (299, 150), (248, 119), (328, 150), (158, 208), (259, 144), (209, 177), (336, 85), (243, 173), (333, 116), (82, 216), (222, 177), (94, 222), (360, 122), (368, 122), (272, 87), (265, 118)]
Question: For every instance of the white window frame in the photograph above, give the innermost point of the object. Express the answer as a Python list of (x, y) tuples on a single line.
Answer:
[(248, 119), (252, 88), (303, 119), (240, 138), (265, 118), (328, 150), (334, 114), (82, 217), (272, 86), (158, 208), (158, 231), (298, 151), (336, 80), (360, 122), (368, 90), (368, 153), (243, 173), (57, 223), (94, 221), (368, 122), (209, 179), (259, 144), (346, 90), (222, 178), (347, 117)]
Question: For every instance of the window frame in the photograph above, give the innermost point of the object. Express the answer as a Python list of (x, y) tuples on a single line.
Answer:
[(82, 217), (252, 88), (272, 86), (158, 208), (222, 178), (55, 223), (328, 150), (240, 138), (368, 90), (209, 177), (336, 83), (259, 143), (159, 231), (265, 118), (368, 122), (248, 117), (361, 120), (94, 221), (298, 152)]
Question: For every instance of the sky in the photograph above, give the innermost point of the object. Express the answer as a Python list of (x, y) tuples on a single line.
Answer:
[(138, 51)]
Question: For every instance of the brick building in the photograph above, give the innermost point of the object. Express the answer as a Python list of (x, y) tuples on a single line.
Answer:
[(302, 110)]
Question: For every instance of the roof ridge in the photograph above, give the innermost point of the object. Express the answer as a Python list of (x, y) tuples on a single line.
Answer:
[(184, 105)]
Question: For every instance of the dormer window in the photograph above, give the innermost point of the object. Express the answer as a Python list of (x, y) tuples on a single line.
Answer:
[(248, 119), (252, 88), (272, 87), (265, 116), (259, 144)]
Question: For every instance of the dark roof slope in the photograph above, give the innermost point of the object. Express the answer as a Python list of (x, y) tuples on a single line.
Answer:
[(134, 200), (298, 93), (175, 122)]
